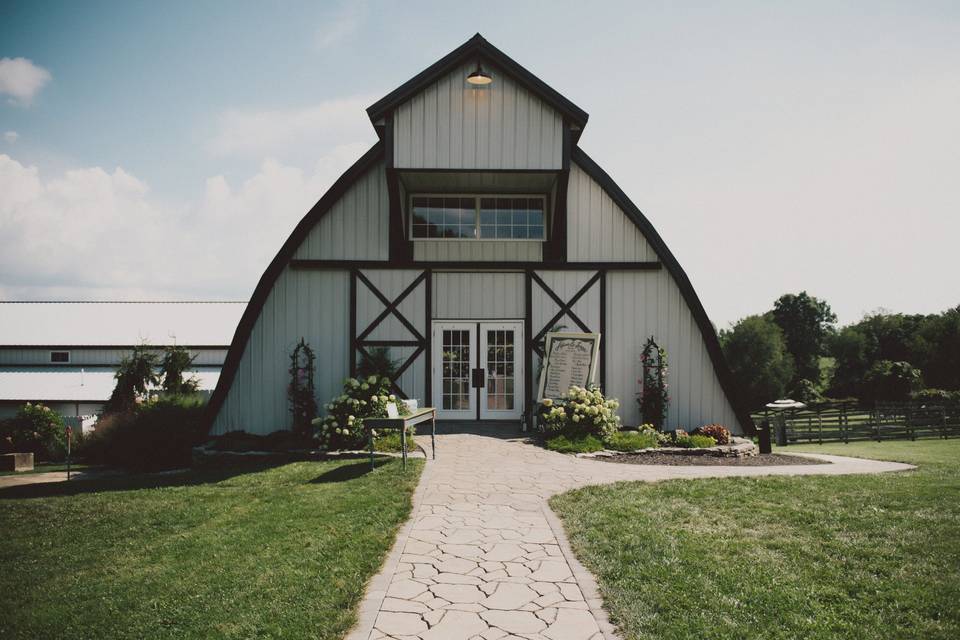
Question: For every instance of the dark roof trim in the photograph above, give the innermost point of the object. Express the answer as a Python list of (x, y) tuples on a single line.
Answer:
[(477, 47), (265, 285), (683, 282), (81, 347)]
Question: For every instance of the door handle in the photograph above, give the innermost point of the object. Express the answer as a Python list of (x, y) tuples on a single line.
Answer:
[(477, 378)]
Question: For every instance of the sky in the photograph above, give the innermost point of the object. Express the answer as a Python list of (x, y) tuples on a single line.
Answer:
[(161, 151)]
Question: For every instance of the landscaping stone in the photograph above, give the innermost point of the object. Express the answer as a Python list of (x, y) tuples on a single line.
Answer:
[(16, 462)]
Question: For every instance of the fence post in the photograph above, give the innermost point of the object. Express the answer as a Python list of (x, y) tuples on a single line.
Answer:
[(820, 424)]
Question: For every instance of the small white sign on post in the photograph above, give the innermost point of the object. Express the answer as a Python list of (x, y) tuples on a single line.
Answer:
[(569, 359)]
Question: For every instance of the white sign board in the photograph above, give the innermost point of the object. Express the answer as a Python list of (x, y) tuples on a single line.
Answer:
[(569, 359)]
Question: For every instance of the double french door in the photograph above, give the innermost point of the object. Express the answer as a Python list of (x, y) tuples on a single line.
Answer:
[(478, 370)]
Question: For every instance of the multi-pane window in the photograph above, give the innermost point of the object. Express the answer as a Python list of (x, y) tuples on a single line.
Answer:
[(60, 357), (478, 217), (500, 376), (456, 370)]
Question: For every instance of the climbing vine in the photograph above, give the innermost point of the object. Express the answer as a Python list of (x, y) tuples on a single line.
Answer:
[(303, 403), (653, 398)]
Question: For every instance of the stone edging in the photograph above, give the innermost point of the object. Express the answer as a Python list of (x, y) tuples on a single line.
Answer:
[(739, 448), (585, 580), (376, 590)]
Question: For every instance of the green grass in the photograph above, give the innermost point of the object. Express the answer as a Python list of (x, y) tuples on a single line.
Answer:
[(265, 553), (573, 444), (819, 557)]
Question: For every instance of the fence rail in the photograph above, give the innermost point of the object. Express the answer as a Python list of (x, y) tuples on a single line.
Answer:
[(846, 423)]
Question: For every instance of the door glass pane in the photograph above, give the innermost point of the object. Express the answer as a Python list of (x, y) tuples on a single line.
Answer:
[(500, 393), (456, 370)]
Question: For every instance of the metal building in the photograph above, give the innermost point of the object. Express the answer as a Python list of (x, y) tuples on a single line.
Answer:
[(472, 227), (65, 354)]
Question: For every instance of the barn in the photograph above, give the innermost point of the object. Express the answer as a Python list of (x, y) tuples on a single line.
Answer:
[(473, 227)]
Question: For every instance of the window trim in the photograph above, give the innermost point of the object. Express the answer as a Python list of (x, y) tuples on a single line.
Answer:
[(476, 197), (52, 361)]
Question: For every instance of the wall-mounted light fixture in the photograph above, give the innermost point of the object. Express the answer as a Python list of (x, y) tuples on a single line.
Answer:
[(479, 77)]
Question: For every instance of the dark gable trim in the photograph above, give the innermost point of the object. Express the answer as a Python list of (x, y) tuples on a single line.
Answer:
[(269, 277), (720, 367), (475, 48)]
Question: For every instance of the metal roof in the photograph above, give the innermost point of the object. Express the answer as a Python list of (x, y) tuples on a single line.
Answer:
[(118, 323), (32, 384)]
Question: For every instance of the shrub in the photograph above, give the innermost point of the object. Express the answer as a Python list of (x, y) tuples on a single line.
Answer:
[(342, 428), (716, 431), (660, 436), (581, 412), (134, 376), (176, 362), (390, 442), (153, 436), (936, 396), (632, 440), (574, 443), (35, 429), (693, 442)]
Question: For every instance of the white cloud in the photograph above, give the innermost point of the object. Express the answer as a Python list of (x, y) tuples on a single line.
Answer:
[(277, 132), (22, 80), (10, 136), (90, 233), (341, 24)]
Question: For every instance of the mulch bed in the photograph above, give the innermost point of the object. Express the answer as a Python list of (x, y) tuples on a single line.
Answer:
[(762, 460)]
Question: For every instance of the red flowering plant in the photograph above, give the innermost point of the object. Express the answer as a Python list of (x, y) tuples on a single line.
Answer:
[(716, 431)]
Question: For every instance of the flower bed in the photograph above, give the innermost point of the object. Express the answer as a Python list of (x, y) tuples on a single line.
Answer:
[(738, 448)]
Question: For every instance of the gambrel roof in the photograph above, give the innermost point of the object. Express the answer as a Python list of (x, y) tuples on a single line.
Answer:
[(477, 49)]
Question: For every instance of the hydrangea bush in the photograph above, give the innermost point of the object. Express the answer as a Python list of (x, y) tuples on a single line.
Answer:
[(362, 398), (582, 411)]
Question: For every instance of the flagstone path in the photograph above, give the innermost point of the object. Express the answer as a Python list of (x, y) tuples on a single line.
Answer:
[(483, 557)]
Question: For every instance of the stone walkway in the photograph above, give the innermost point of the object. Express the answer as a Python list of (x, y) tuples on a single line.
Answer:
[(483, 557)]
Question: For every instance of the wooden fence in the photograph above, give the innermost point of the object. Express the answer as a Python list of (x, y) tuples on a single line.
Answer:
[(847, 422)]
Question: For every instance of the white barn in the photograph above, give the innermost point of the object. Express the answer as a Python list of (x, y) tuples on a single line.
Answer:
[(475, 220), (64, 354)]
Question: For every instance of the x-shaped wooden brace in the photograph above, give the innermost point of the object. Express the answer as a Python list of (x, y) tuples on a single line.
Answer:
[(392, 307), (566, 308)]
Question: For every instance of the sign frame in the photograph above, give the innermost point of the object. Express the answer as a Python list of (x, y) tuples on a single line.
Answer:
[(559, 337)]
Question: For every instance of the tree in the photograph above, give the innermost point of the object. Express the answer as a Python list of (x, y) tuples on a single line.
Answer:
[(854, 351), (937, 344), (136, 374), (757, 354), (176, 361), (892, 381), (806, 322)]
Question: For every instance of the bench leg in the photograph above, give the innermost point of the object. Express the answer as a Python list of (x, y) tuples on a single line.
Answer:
[(433, 437)]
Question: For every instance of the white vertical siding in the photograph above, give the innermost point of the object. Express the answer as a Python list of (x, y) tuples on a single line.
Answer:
[(309, 304), (641, 304), (96, 356), (597, 229), (357, 227), (479, 250), (478, 296), (453, 125)]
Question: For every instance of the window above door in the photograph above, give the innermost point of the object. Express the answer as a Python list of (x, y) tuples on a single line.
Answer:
[(477, 217)]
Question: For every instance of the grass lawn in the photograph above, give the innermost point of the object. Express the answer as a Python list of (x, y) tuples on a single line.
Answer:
[(819, 557), (257, 553)]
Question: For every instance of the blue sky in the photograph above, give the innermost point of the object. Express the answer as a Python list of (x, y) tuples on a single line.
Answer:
[(776, 146)]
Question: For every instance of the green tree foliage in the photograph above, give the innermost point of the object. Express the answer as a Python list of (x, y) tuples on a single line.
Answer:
[(136, 374), (854, 352), (757, 354), (806, 323), (892, 381), (176, 361)]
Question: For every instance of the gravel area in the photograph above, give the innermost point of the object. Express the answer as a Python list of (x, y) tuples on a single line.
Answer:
[(762, 460)]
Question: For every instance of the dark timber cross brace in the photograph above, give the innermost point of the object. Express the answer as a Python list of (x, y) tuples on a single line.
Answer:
[(391, 307)]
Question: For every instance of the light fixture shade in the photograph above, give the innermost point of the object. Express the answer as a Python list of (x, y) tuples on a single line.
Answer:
[(479, 77)]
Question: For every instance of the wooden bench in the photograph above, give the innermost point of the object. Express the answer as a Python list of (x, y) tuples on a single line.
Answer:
[(401, 424)]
